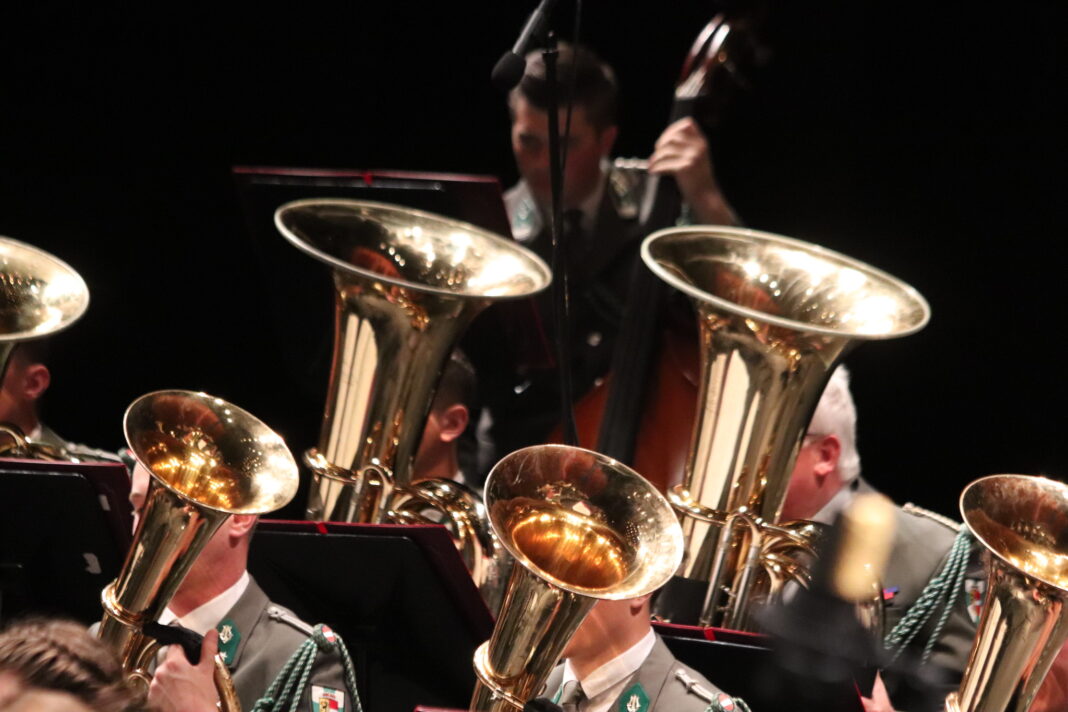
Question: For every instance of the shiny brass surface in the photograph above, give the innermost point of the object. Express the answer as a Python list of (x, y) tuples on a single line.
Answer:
[(775, 316), (408, 284), (460, 509), (1023, 523), (208, 459), (39, 296), (581, 527)]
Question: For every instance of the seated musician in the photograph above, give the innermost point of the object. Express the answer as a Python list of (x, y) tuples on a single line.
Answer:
[(825, 480), (615, 661), (25, 382), (220, 600), (602, 204), (440, 451)]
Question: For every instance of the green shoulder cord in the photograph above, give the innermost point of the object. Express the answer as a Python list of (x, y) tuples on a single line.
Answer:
[(941, 593), (286, 691)]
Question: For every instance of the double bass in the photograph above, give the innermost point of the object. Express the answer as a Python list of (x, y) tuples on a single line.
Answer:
[(643, 411)]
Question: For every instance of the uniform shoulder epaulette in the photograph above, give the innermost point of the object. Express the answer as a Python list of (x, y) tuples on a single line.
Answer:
[(945, 521), (279, 614)]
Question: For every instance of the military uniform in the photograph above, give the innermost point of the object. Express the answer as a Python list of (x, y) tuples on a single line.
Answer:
[(524, 396), (257, 638), (922, 543), (661, 684)]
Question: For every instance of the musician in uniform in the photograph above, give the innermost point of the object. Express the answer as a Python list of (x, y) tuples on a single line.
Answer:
[(255, 637), (441, 453), (826, 478), (601, 204), (25, 382), (616, 662)]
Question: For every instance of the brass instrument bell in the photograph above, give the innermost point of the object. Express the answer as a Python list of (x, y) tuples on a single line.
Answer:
[(776, 315), (208, 460), (582, 527)]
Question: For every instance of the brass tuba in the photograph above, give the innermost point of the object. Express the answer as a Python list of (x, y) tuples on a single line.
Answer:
[(39, 296), (408, 284), (208, 459), (1023, 524), (581, 527), (775, 317)]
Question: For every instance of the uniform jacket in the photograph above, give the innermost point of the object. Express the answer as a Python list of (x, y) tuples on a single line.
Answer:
[(266, 636), (667, 691)]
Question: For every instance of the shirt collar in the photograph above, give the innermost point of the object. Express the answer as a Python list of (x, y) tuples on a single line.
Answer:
[(615, 671), (207, 616)]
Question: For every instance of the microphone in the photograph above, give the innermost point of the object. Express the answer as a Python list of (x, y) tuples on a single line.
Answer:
[(510, 67)]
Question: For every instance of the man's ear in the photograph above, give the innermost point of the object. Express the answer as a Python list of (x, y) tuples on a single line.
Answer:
[(640, 603), (452, 422), (35, 380), (829, 449), (241, 525)]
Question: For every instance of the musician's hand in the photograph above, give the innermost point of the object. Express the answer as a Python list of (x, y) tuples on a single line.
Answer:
[(879, 700), (682, 152), (178, 686)]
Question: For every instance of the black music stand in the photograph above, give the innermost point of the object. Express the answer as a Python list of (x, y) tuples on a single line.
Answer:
[(740, 664), (63, 537), (399, 596)]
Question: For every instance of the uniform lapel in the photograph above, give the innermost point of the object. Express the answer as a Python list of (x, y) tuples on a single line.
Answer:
[(244, 616), (652, 675)]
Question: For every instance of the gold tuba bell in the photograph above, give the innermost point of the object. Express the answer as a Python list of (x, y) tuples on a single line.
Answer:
[(775, 315), (408, 285), (39, 296), (581, 527), (208, 459), (1023, 524)]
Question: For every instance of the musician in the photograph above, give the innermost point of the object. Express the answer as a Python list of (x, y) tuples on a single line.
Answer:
[(825, 480), (220, 600), (58, 665), (615, 661), (25, 382), (601, 214), (440, 451)]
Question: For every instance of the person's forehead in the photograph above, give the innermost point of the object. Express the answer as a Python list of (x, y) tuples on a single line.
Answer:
[(530, 118)]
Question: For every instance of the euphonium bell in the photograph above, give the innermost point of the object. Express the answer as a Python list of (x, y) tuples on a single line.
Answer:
[(775, 316), (581, 527), (1023, 523), (208, 459), (39, 296), (408, 284)]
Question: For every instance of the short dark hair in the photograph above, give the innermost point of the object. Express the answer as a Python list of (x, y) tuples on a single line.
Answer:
[(458, 383), (62, 655), (583, 77)]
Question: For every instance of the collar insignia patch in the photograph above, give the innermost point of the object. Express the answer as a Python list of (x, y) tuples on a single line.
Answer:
[(229, 637), (634, 699)]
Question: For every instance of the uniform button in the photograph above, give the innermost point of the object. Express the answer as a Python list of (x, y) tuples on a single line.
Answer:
[(594, 338)]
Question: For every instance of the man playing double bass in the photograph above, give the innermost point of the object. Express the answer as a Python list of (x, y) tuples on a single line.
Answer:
[(602, 204)]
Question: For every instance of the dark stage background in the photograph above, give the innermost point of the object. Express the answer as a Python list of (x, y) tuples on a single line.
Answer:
[(925, 141)]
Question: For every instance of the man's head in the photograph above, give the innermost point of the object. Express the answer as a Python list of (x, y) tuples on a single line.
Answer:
[(828, 458), (42, 661), (25, 380), (610, 628), (593, 122), (449, 416)]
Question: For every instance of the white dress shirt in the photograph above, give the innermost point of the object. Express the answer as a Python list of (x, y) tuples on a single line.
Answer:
[(207, 616), (604, 685)]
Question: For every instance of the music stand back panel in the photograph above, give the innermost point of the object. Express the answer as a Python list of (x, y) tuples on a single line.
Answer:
[(399, 597), (63, 537)]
